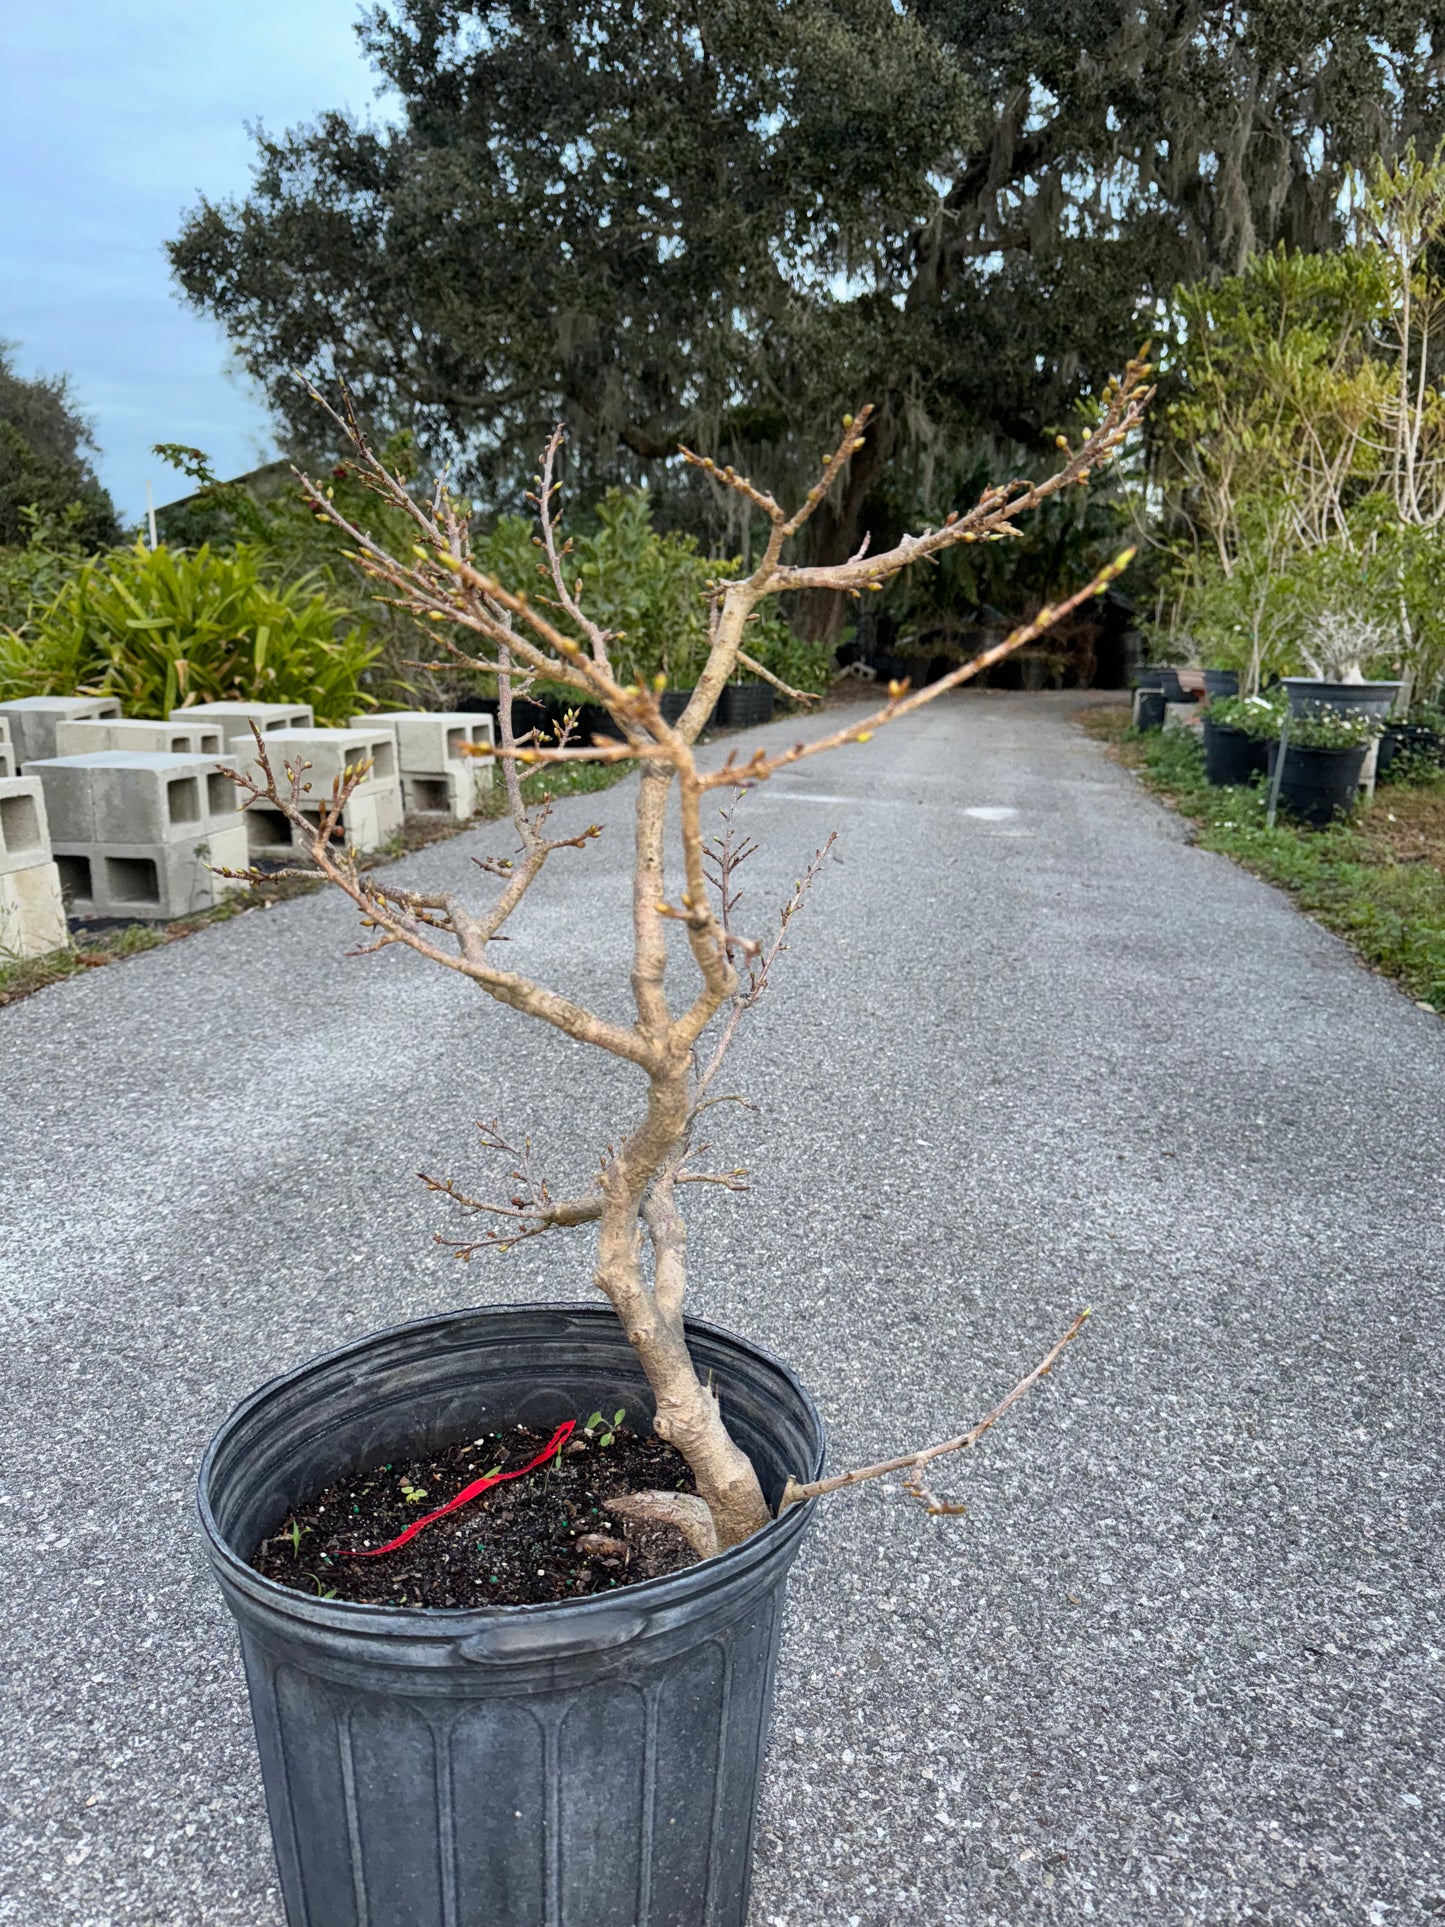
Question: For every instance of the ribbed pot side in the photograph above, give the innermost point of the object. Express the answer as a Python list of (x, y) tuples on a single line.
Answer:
[(594, 1764)]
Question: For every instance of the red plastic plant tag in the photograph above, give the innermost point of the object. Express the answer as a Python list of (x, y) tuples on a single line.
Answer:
[(468, 1492)]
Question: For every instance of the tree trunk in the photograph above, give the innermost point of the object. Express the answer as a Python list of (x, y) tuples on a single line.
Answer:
[(838, 527)]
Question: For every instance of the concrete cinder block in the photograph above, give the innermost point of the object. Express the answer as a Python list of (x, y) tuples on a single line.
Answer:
[(85, 737), (372, 816), (451, 794), (329, 752), (151, 882), (438, 777), (32, 912), (24, 826), (235, 719), (135, 796), (33, 720), (69, 797), (429, 741), (7, 761)]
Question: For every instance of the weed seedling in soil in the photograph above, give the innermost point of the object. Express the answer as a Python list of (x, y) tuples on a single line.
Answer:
[(598, 1424)]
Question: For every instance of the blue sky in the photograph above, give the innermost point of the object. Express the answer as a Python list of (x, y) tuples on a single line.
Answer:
[(118, 113)]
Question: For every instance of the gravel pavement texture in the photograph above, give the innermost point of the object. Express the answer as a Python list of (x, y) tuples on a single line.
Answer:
[(1180, 1661)]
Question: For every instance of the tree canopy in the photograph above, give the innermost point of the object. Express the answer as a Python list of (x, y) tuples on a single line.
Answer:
[(727, 220), (45, 462)]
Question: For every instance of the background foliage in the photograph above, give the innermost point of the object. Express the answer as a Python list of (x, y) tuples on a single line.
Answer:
[(45, 462), (726, 221), (159, 628), (1302, 448)]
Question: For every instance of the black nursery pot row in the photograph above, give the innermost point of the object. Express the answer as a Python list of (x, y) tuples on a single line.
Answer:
[(742, 705), (1317, 785)]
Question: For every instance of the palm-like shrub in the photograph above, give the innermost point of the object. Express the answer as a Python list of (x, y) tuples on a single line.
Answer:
[(159, 628)]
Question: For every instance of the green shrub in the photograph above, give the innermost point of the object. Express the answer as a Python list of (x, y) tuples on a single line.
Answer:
[(159, 628), (1258, 716), (651, 591)]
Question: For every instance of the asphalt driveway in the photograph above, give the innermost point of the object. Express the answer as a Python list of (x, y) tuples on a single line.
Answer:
[(1179, 1662)]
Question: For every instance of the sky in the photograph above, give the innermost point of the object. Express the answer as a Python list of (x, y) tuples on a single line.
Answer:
[(118, 114)]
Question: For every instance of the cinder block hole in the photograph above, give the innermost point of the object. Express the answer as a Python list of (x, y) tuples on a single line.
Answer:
[(19, 823), (267, 830), (132, 879), (428, 793), (75, 878), (210, 744), (183, 800), (180, 744), (455, 739), (383, 759), (220, 794)]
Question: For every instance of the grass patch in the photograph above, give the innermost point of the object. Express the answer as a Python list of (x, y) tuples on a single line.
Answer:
[(93, 949), (1377, 880)]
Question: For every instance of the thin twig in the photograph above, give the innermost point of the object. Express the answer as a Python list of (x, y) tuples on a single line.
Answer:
[(793, 1493)]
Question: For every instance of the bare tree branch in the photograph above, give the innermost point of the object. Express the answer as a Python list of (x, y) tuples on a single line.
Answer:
[(641, 1262), (793, 1493)]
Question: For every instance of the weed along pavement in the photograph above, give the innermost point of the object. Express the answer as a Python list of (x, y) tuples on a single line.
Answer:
[(1178, 1662)]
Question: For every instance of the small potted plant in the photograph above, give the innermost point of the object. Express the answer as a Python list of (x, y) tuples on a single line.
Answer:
[(1324, 759), (1411, 744), (1237, 731), (589, 1749)]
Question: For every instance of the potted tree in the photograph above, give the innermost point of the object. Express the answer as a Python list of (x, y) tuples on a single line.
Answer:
[(589, 1750), (1338, 649)]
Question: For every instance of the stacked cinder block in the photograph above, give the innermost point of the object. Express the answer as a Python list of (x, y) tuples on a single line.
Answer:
[(372, 813), (33, 721), (32, 913), (234, 720), (134, 831), (7, 750), (84, 737), (437, 777)]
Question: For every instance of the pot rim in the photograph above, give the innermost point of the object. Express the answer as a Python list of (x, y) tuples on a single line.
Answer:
[(446, 1622), (1331, 682)]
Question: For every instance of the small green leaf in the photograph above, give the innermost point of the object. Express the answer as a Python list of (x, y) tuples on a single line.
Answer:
[(593, 1422), (619, 1415)]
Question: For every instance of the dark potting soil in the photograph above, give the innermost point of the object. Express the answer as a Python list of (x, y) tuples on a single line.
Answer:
[(544, 1537)]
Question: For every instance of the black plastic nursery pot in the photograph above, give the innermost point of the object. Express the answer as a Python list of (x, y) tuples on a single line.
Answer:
[(1221, 682), (1149, 708), (1312, 695), (1230, 756), (591, 1764), (744, 705), (1409, 739), (1318, 785), (673, 702)]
